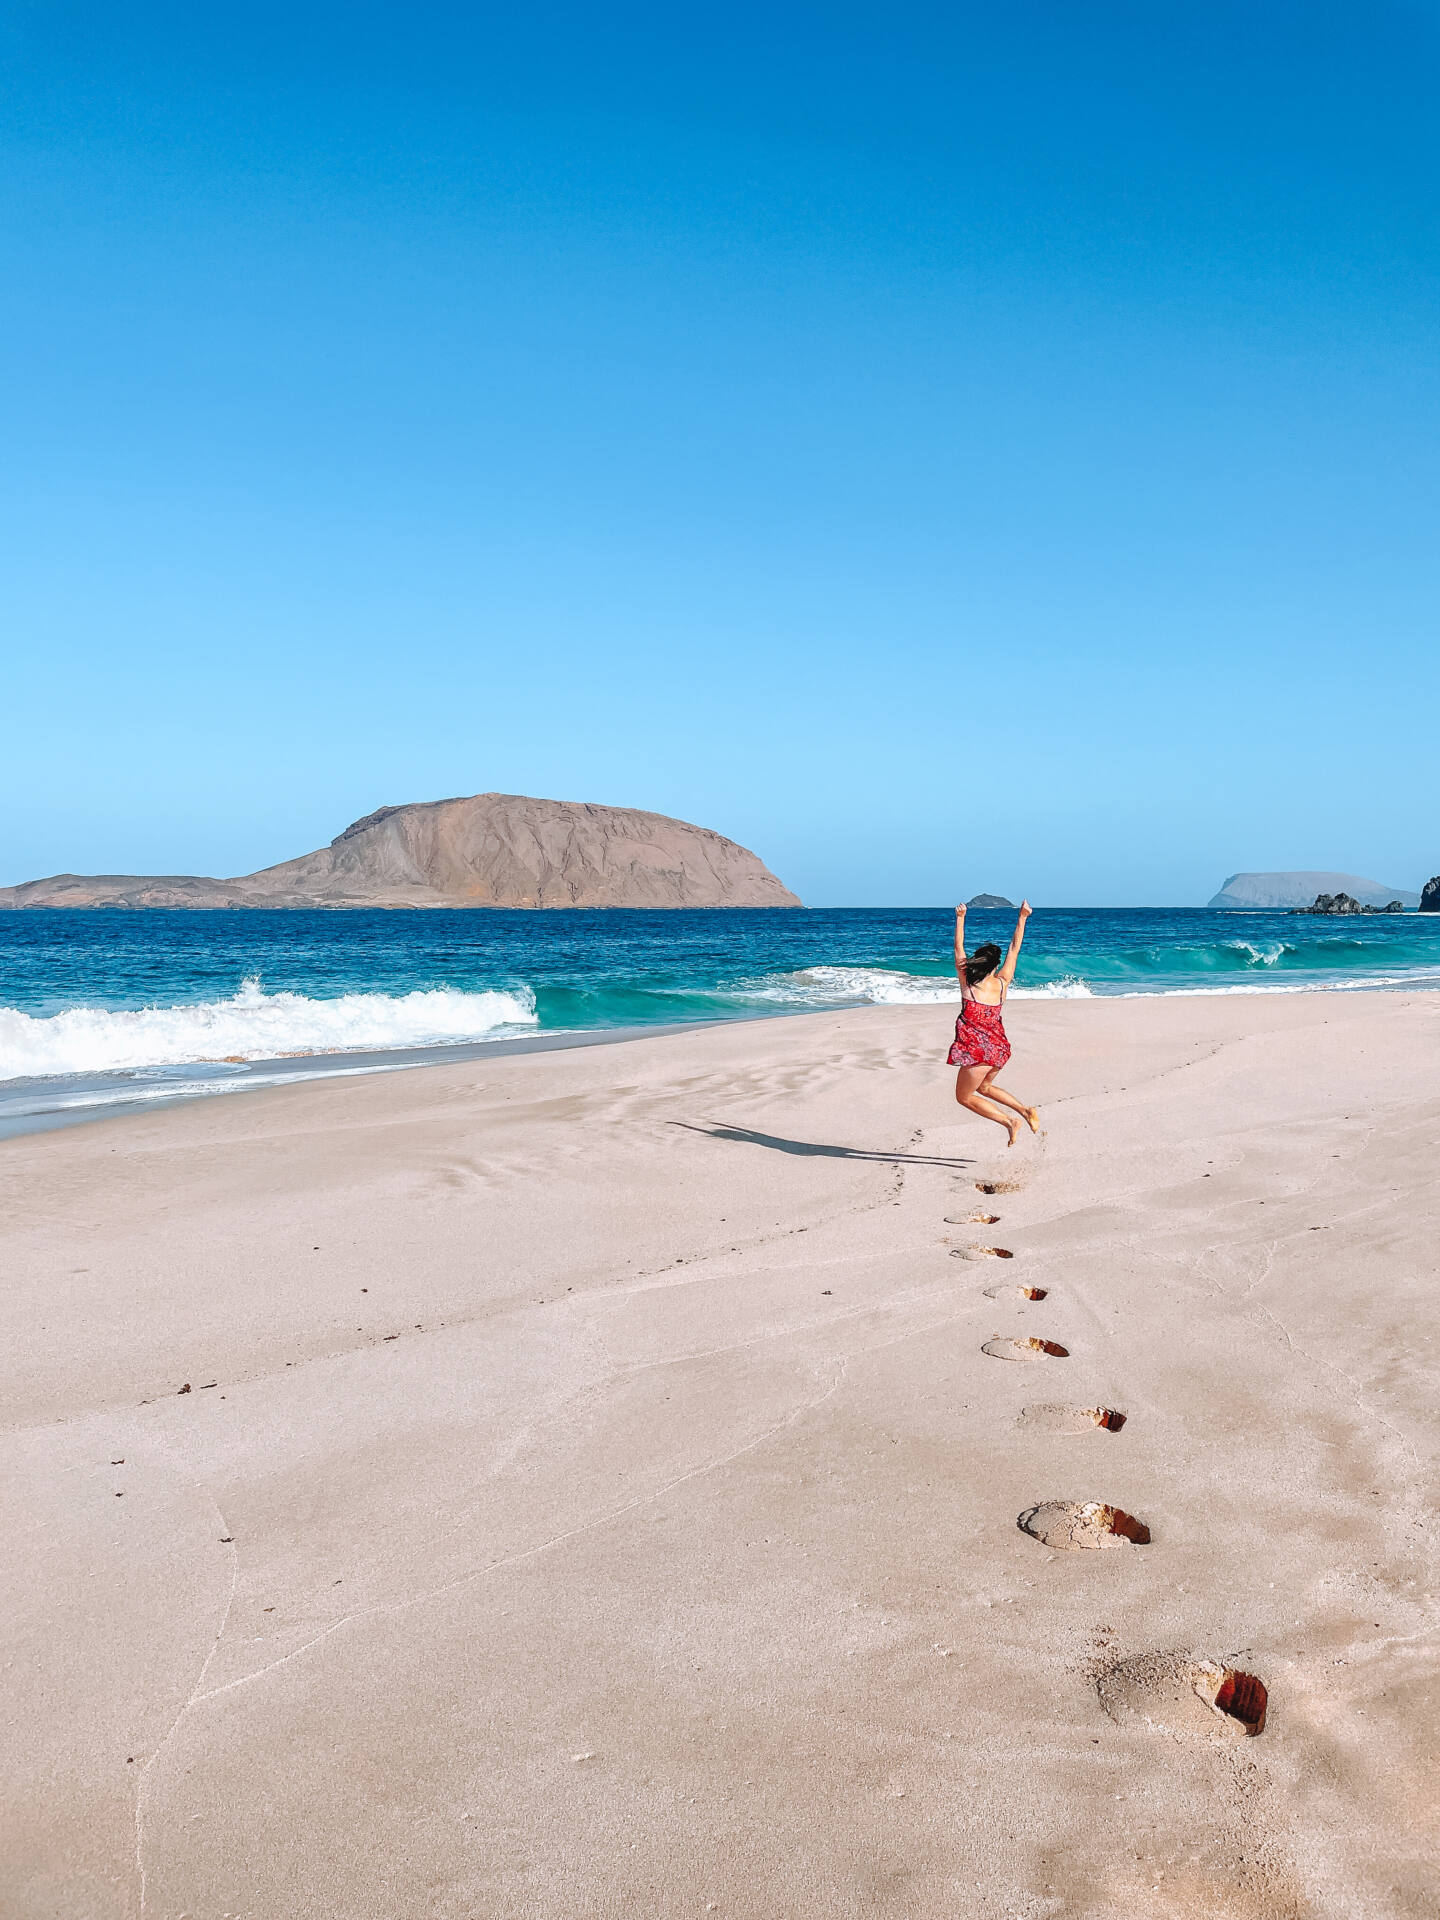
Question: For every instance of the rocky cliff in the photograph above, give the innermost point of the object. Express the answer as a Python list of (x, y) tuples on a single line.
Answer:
[(1343, 903), (494, 850), (1258, 890), (1430, 898)]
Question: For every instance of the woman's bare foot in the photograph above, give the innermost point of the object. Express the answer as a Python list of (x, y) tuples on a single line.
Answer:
[(1032, 1114), (1012, 1127)]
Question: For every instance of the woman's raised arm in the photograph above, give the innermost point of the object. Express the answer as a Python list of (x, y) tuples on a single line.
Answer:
[(960, 944), (1007, 972)]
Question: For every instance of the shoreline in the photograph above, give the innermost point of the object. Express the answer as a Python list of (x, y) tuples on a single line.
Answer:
[(53, 1102), (261, 1075), (594, 1474)]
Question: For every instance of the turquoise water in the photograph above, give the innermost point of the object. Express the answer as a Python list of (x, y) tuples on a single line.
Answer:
[(95, 1003)]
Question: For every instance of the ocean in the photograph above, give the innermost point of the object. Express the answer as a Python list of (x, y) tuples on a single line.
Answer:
[(112, 1009)]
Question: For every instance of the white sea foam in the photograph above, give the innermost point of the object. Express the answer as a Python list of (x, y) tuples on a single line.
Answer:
[(1418, 978), (849, 986), (1261, 956), (1070, 988), (252, 1026), (886, 987)]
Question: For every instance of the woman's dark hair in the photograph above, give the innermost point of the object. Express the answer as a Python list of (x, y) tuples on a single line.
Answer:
[(984, 960)]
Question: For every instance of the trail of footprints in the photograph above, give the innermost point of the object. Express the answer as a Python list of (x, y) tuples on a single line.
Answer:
[(1172, 1692)]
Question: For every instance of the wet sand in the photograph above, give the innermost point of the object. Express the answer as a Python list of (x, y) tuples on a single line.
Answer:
[(593, 1495)]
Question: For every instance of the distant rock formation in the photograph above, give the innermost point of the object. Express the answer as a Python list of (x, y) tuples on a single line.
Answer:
[(494, 850), (1256, 891), (1430, 898), (1344, 903), (996, 900)]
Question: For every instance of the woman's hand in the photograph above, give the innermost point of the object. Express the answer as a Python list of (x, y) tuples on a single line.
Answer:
[(1025, 909), (960, 911)]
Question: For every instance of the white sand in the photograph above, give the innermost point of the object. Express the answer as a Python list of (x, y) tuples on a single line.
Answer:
[(665, 1561)]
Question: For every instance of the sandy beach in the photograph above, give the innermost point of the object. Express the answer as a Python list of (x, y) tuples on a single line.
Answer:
[(575, 1485)]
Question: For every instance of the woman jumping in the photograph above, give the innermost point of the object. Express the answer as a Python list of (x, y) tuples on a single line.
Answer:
[(980, 1048)]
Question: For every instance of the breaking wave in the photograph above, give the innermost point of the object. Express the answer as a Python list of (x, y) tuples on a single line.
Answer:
[(851, 986), (253, 1025), (886, 987)]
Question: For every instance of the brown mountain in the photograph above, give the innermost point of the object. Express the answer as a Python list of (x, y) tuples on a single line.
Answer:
[(494, 850)]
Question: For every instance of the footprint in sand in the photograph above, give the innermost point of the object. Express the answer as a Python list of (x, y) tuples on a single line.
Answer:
[(972, 1219), (1001, 1291), (1001, 1348), (998, 1186), (1056, 1419), (1078, 1525), (1176, 1693), (981, 1253)]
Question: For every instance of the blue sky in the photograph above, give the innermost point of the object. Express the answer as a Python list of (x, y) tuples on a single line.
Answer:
[(941, 447)]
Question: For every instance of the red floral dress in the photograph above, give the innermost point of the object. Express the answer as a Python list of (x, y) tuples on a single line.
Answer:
[(980, 1036)]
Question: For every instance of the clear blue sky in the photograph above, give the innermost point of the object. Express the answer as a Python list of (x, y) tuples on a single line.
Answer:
[(943, 447)]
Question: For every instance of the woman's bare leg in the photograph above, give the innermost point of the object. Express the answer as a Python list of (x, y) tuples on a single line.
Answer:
[(990, 1091), (968, 1082)]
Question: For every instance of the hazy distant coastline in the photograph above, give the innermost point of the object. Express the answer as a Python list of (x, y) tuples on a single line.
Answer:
[(1280, 891)]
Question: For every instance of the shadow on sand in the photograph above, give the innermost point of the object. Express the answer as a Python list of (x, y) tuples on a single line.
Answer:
[(810, 1149)]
